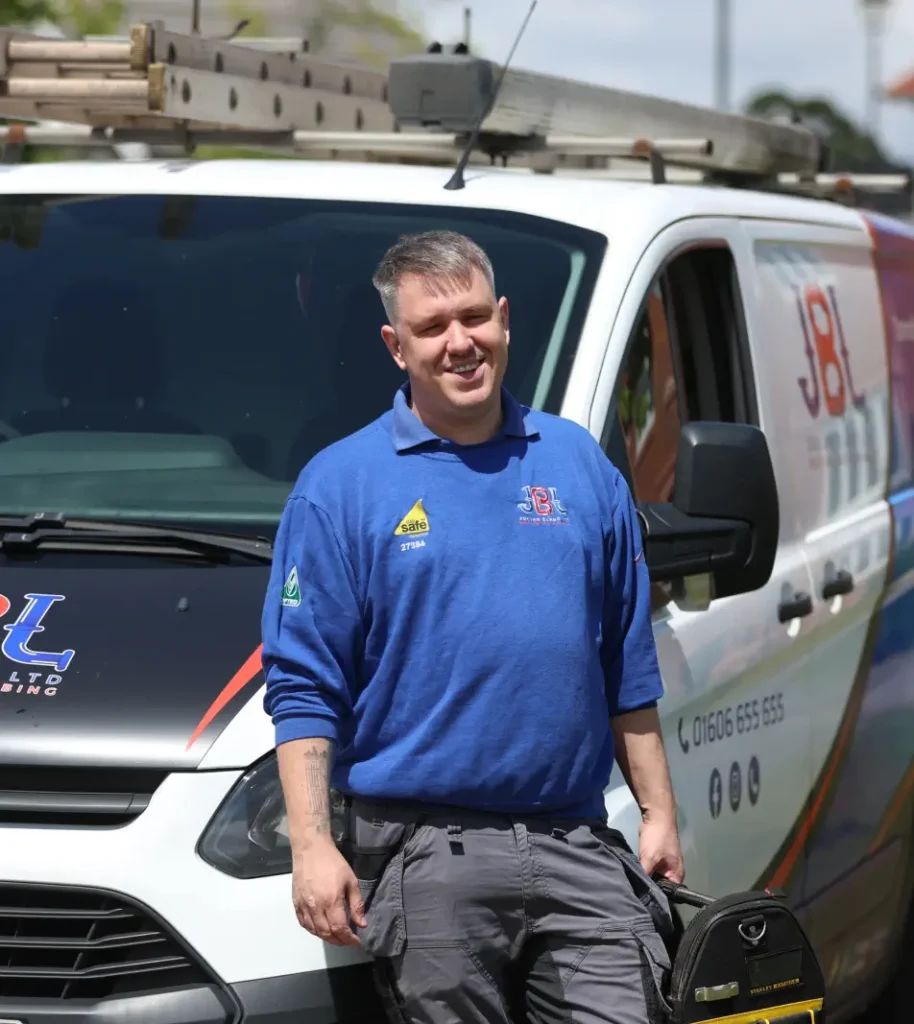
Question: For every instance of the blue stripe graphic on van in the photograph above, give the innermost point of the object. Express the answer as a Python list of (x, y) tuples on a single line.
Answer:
[(865, 807)]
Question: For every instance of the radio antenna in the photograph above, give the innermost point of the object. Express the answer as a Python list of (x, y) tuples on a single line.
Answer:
[(457, 182)]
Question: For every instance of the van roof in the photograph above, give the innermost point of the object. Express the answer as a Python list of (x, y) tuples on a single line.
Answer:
[(601, 204)]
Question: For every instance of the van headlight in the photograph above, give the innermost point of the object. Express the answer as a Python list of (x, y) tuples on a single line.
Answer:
[(248, 836)]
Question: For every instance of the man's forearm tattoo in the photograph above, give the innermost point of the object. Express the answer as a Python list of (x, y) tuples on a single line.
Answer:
[(317, 780)]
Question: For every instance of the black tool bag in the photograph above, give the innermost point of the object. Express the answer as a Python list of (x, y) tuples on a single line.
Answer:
[(743, 959)]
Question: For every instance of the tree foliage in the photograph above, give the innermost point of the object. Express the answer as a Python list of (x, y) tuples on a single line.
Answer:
[(374, 30), (258, 24), (25, 12), (75, 18), (80, 18), (850, 147)]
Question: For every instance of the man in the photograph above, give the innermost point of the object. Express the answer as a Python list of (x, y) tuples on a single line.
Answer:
[(458, 622)]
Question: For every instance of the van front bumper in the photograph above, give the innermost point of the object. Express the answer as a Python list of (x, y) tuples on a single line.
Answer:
[(191, 945), (333, 996)]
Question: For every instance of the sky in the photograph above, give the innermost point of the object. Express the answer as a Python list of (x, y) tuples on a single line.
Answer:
[(666, 48)]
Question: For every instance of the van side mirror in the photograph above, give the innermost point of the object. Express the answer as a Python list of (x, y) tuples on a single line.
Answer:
[(724, 518)]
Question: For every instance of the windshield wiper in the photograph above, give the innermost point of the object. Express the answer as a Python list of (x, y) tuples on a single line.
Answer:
[(66, 533)]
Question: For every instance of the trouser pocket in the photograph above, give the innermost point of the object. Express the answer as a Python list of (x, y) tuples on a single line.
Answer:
[(649, 894), (375, 850), (656, 969)]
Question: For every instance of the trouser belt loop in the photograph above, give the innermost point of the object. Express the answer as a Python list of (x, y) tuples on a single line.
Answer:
[(455, 837)]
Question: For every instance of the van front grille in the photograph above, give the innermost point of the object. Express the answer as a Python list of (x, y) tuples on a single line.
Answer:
[(58, 942), (84, 796)]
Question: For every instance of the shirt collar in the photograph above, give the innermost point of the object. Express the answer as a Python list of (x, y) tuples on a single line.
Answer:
[(408, 432)]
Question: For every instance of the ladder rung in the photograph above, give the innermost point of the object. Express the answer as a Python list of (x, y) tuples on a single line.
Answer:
[(844, 182), (86, 90), (595, 146), (79, 52)]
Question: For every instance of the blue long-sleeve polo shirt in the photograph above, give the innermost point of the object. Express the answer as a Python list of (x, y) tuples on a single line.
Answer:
[(462, 621)]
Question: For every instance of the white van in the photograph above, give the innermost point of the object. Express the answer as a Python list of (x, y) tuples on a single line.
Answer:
[(180, 337)]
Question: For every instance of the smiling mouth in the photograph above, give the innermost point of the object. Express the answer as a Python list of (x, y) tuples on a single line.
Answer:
[(468, 368)]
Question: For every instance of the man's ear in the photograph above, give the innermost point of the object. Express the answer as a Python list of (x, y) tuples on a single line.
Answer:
[(505, 318), (393, 345)]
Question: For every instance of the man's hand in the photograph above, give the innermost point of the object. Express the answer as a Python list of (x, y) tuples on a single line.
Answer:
[(326, 894), (640, 753), (659, 851)]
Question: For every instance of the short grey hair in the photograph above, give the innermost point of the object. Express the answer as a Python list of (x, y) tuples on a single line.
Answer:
[(445, 255)]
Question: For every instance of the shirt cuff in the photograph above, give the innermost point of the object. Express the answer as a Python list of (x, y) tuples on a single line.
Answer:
[(643, 706), (305, 729)]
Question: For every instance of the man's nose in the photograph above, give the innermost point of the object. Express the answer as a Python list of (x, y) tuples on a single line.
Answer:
[(458, 339)]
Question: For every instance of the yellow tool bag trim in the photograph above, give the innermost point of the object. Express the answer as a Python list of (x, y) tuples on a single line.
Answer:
[(772, 1013)]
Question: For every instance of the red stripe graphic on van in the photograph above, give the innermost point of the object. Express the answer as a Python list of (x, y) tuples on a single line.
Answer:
[(233, 687), (779, 871), (782, 873), (893, 811)]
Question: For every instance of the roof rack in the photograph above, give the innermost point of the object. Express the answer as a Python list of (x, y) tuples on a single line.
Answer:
[(165, 88)]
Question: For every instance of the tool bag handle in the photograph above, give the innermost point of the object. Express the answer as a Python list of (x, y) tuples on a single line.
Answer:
[(676, 892)]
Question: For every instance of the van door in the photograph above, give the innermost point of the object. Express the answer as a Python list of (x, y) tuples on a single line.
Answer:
[(737, 714), (818, 307)]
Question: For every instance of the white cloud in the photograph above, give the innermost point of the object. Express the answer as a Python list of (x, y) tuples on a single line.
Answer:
[(666, 47)]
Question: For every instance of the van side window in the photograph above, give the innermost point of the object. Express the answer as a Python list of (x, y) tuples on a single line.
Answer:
[(647, 404), (686, 360), (710, 331)]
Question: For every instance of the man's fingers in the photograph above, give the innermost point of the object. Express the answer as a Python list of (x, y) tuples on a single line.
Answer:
[(670, 869), (328, 924), (304, 916), (324, 930), (311, 915), (339, 926)]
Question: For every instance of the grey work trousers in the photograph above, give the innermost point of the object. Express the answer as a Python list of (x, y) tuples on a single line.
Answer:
[(478, 918)]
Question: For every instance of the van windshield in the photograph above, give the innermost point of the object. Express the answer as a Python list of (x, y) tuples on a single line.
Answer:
[(181, 358)]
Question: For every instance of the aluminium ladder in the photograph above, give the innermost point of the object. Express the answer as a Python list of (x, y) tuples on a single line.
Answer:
[(159, 80)]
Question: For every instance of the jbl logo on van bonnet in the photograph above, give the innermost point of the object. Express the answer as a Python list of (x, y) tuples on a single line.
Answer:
[(17, 647)]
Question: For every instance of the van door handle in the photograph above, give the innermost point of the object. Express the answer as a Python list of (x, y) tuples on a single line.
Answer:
[(841, 583), (796, 607)]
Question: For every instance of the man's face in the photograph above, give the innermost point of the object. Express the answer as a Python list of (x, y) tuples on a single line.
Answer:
[(452, 340)]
